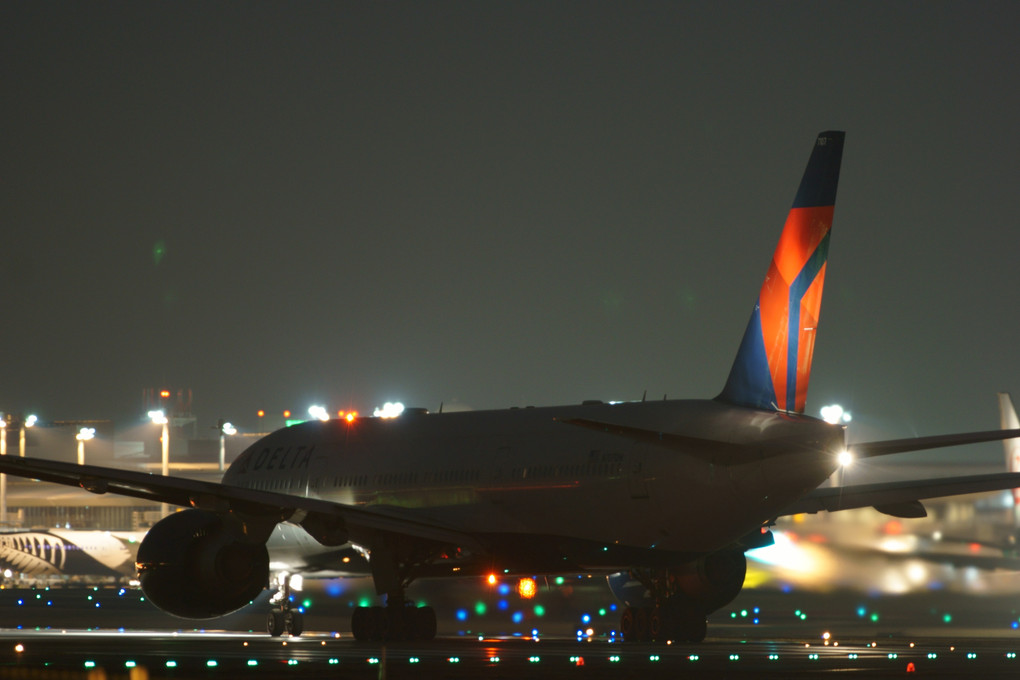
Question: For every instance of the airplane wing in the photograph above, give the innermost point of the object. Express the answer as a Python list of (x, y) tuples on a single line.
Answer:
[(317, 516), (900, 499), (891, 446)]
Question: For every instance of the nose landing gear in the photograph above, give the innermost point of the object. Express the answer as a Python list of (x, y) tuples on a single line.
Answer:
[(282, 617)]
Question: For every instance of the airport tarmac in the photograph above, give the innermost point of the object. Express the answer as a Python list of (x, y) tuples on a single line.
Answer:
[(765, 633)]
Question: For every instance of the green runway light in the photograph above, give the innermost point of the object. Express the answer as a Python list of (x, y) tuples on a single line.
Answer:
[(693, 657), (851, 655), (892, 655), (734, 657), (90, 664), (539, 610), (480, 608), (874, 617), (932, 655), (211, 663), (171, 664), (971, 655), (614, 659), (534, 659), (947, 618), (773, 657), (129, 664), (253, 662), (559, 580), (812, 657), (292, 662), (413, 659), (373, 660), (334, 661), (306, 603)]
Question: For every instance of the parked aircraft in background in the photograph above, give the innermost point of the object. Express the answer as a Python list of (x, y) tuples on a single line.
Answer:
[(44, 553), (671, 492)]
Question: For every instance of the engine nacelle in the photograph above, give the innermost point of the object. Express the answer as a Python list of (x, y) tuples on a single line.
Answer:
[(198, 565), (714, 580), (707, 584)]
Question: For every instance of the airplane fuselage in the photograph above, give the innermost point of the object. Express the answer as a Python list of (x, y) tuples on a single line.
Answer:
[(714, 473)]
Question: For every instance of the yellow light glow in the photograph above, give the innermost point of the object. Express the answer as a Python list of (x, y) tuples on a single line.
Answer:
[(491, 580), (527, 588)]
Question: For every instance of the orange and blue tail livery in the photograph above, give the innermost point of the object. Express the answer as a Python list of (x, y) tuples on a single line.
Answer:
[(773, 364)]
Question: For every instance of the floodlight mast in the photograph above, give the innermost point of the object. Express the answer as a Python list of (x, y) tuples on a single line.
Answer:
[(159, 418), (84, 434)]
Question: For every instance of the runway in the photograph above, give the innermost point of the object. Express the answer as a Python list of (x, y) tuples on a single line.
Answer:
[(76, 633), (157, 654)]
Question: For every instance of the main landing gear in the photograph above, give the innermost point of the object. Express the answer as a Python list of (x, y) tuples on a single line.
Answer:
[(678, 600), (282, 617), (671, 620), (398, 621)]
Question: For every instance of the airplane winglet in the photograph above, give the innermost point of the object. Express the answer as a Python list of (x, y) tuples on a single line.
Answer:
[(773, 364)]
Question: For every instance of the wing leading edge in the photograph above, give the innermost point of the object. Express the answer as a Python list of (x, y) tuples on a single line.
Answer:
[(327, 521)]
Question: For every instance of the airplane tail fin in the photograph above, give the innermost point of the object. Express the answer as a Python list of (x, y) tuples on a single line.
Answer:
[(773, 364), (1008, 421)]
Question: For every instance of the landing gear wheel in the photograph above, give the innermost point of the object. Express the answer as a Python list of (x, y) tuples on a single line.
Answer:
[(294, 622), (359, 624), (275, 623), (658, 624), (634, 624), (695, 628), (423, 623)]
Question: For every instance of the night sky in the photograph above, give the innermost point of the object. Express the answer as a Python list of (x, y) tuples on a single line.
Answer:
[(496, 204)]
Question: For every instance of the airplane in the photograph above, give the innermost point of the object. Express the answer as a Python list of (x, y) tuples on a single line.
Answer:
[(45, 553), (672, 492)]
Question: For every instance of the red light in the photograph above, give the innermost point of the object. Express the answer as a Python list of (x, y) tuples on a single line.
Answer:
[(491, 580), (350, 416), (164, 394)]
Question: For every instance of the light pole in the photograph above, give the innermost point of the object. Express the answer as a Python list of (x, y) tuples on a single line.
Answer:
[(159, 418), (226, 429), (3, 477), (84, 434), (25, 424)]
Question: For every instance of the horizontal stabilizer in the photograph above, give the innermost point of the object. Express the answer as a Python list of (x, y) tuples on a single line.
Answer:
[(890, 446)]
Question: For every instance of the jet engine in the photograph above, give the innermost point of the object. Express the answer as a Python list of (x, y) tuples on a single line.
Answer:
[(714, 580), (199, 565), (708, 583)]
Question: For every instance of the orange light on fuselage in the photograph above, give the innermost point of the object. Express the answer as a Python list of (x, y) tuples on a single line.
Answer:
[(527, 588), (491, 579)]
